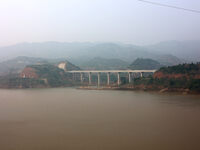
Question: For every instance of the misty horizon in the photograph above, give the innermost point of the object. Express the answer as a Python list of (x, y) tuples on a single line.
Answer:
[(130, 22), (96, 42)]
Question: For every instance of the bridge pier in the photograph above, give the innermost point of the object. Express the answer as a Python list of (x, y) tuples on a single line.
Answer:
[(130, 74), (141, 74), (118, 79), (129, 77), (81, 77), (89, 78), (98, 75), (108, 78)]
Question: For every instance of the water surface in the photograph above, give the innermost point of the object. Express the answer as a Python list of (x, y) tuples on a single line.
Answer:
[(70, 119)]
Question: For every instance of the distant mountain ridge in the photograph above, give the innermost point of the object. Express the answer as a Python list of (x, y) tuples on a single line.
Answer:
[(82, 52), (187, 50)]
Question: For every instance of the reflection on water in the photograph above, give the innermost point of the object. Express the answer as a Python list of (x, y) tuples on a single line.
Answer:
[(66, 118)]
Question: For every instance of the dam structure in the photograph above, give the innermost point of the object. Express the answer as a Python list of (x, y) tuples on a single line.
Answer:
[(108, 72)]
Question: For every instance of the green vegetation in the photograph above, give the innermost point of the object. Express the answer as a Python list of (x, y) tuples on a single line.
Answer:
[(52, 74), (48, 76), (182, 69), (189, 79), (147, 64)]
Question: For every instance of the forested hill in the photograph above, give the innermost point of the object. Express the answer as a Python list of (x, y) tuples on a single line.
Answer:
[(16, 65), (187, 70), (99, 63), (148, 64), (180, 78)]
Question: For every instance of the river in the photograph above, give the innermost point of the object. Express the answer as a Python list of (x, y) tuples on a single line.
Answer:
[(72, 119)]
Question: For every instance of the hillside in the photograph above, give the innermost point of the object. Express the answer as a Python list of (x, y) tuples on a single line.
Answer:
[(180, 78), (52, 75), (179, 71), (145, 64), (98, 63), (36, 76), (16, 65)]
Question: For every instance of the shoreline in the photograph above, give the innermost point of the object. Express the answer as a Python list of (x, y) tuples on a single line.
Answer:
[(162, 90), (122, 88)]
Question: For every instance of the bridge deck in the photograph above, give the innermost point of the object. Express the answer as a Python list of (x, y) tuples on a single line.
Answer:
[(110, 71)]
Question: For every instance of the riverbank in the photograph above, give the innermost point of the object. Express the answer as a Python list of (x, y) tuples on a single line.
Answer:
[(159, 89), (142, 88)]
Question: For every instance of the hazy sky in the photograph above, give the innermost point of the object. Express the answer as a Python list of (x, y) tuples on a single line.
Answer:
[(128, 21)]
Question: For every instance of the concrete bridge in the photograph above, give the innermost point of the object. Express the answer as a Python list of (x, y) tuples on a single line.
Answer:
[(98, 72)]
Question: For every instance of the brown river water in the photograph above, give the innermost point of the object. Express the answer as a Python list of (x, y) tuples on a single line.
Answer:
[(71, 119)]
